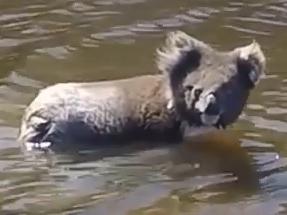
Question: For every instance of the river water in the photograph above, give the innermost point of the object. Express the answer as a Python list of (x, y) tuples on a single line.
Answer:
[(240, 171)]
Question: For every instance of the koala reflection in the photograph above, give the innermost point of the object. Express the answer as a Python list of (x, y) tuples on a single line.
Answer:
[(198, 87)]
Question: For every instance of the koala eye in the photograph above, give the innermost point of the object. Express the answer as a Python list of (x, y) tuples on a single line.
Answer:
[(197, 92), (188, 87)]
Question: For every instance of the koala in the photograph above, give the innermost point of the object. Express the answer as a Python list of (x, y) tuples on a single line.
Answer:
[(197, 87)]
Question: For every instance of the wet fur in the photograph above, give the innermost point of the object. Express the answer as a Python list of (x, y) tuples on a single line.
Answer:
[(143, 107), (123, 109)]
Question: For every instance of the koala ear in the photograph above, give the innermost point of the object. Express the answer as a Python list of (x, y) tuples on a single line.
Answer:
[(251, 60), (178, 53)]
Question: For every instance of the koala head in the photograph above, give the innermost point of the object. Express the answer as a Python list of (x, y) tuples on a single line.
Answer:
[(208, 87)]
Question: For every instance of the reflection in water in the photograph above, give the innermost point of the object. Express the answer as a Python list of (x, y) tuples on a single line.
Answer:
[(44, 42), (211, 168), (219, 152)]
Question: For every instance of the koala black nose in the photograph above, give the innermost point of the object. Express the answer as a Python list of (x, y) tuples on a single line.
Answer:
[(213, 109)]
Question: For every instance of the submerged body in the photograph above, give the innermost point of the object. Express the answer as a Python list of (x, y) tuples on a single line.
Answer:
[(198, 87)]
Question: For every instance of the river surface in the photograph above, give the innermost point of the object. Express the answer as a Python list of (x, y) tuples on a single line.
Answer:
[(240, 171)]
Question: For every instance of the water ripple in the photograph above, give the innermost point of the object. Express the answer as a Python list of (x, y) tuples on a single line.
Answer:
[(44, 42)]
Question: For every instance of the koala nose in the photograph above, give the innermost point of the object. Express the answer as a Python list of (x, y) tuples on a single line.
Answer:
[(213, 108)]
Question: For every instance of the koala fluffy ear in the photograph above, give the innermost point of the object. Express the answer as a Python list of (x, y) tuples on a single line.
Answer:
[(251, 59), (178, 53)]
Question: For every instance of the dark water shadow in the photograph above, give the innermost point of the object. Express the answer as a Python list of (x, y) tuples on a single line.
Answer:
[(213, 153), (216, 153), (209, 164)]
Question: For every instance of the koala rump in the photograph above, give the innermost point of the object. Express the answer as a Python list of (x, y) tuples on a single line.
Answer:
[(197, 87)]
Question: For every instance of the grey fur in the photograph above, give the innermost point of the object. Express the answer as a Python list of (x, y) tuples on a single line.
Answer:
[(157, 105)]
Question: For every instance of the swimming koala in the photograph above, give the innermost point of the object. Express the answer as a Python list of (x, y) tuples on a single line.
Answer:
[(197, 87)]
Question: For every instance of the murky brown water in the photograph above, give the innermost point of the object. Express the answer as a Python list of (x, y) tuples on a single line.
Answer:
[(240, 171)]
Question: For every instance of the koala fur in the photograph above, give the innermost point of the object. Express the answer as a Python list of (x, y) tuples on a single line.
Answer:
[(197, 87)]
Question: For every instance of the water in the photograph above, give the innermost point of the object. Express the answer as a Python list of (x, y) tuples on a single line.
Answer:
[(239, 171)]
